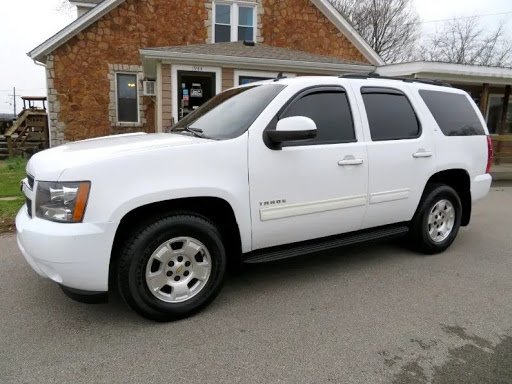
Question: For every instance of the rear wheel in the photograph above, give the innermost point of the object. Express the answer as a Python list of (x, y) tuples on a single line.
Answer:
[(172, 267), (437, 220)]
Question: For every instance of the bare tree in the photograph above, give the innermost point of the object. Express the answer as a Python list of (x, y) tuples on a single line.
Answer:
[(465, 41), (64, 6), (390, 26)]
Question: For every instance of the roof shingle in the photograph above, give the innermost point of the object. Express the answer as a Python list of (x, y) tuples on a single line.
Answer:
[(261, 51)]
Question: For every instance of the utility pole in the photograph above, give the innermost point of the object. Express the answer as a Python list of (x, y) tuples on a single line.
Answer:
[(14, 96)]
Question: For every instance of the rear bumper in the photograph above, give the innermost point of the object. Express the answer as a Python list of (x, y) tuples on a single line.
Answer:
[(480, 186), (73, 255)]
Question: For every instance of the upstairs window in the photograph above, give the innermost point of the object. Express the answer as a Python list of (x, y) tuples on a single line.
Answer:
[(127, 98), (222, 23), (245, 23), (234, 22)]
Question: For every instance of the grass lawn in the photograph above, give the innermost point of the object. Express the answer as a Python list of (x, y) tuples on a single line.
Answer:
[(11, 172)]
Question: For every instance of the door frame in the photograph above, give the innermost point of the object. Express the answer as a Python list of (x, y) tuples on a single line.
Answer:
[(191, 68)]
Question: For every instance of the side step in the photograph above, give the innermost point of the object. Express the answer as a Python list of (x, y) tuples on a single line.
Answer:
[(323, 244)]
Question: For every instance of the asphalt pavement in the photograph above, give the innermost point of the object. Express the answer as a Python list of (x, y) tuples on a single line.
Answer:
[(375, 313)]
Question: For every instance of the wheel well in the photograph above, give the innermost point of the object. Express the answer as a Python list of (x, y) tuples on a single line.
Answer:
[(459, 180), (214, 209)]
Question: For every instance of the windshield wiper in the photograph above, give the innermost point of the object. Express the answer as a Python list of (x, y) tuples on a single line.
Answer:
[(195, 131)]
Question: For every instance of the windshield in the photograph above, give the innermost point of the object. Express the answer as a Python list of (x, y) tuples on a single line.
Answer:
[(230, 113)]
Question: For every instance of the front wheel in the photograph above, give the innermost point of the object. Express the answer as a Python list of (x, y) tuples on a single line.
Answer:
[(437, 220), (172, 267)]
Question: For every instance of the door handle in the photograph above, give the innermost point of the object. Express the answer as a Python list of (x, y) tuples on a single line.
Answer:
[(422, 153), (350, 162)]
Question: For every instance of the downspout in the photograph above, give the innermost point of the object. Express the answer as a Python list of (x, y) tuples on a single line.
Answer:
[(47, 95)]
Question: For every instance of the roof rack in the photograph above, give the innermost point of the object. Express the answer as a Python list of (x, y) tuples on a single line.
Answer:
[(373, 75)]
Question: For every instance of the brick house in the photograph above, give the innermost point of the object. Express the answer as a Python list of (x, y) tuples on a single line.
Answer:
[(184, 52)]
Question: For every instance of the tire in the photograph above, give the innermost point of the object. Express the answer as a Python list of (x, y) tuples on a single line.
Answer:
[(159, 274), (433, 228)]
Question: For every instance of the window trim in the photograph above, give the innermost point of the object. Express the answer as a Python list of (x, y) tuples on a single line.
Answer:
[(304, 92), (234, 18), (127, 123), (372, 89)]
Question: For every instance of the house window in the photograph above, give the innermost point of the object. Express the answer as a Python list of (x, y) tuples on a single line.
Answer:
[(245, 23), (222, 23), (242, 80), (234, 22), (127, 98)]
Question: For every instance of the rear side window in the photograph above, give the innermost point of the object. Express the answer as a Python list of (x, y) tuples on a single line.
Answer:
[(453, 113), (330, 111), (390, 114)]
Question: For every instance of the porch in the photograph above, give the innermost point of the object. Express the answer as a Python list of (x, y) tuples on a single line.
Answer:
[(489, 86)]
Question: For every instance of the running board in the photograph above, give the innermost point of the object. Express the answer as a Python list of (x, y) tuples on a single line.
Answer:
[(323, 244)]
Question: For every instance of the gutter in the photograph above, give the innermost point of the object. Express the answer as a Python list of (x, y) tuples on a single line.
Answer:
[(253, 62)]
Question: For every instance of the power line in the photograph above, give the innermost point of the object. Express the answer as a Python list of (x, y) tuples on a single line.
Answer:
[(461, 18)]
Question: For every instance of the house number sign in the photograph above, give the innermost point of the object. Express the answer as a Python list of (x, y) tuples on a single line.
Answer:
[(197, 68)]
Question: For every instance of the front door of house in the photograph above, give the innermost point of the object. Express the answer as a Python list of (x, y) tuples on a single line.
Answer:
[(194, 89)]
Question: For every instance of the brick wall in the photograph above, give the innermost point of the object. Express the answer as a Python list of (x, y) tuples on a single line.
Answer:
[(300, 25), (80, 68), (80, 73)]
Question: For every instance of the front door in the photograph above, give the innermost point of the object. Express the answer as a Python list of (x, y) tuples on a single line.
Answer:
[(194, 89), (313, 188)]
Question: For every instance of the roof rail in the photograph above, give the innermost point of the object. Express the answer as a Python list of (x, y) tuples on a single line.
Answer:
[(373, 75)]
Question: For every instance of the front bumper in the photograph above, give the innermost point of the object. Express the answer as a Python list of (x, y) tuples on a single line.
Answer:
[(73, 255)]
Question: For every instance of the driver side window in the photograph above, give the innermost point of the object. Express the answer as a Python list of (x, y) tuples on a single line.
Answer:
[(330, 110)]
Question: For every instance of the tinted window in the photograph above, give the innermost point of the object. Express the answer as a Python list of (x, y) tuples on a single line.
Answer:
[(453, 113), (390, 114), (127, 103), (331, 113), (230, 113)]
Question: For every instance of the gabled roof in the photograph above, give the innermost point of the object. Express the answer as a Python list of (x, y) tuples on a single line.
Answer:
[(39, 53), (85, 3)]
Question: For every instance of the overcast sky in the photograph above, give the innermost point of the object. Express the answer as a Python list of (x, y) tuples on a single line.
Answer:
[(27, 23)]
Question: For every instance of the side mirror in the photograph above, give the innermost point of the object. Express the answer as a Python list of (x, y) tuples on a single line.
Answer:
[(292, 129)]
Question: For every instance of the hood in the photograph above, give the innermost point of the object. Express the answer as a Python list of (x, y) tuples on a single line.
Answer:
[(50, 164)]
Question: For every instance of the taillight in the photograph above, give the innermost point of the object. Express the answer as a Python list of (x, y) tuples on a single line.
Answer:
[(489, 154)]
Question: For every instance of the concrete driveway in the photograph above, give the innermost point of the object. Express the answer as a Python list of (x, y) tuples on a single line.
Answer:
[(367, 314)]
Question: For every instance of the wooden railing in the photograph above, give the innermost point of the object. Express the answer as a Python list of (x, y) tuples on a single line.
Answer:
[(29, 131), (502, 148)]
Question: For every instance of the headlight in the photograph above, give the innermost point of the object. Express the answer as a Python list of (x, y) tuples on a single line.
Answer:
[(62, 202)]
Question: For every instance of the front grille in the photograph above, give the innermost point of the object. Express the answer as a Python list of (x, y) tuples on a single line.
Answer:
[(30, 181), (29, 206)]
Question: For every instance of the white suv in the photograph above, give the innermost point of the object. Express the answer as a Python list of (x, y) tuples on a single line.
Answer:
[(261, 172)]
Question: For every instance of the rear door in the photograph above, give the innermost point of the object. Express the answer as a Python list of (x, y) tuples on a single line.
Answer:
[(401, 151)]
